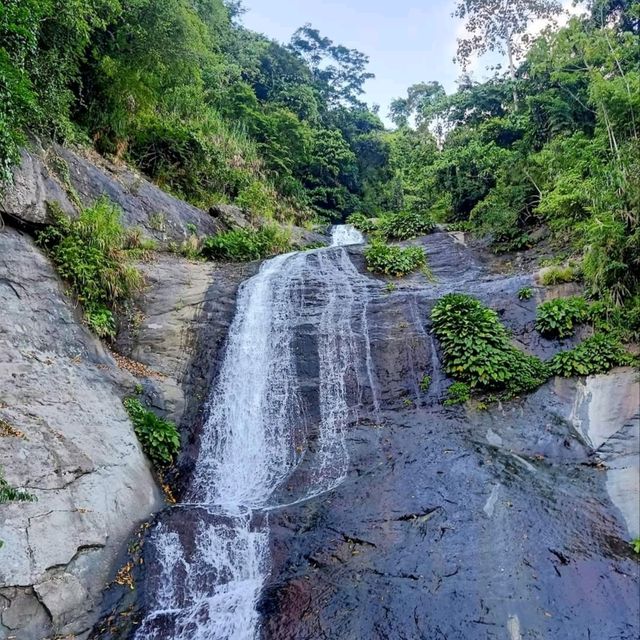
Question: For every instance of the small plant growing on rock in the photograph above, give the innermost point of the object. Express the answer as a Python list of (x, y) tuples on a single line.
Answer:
[(159, 438), (559, 318), (635, 543), (244, 245), (90, 253), (526, 293), (394, 261), (11, 494), (559, 275), (390, 287), (425, 383), (458, 393), (598, 354)]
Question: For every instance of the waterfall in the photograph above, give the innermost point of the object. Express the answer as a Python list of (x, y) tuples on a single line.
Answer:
[(345, 234), (213, 556)]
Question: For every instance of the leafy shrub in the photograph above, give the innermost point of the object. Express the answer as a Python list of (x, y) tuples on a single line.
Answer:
[(258, 199), (394, 261), (612, 254), (511, 239), (635, 543), (558, 275), (362, 222), (90, 254), (477, 348), (405, 225), (425, 383), (458, 393), (463, 226), (559, 318), (623, 321), (526, 293), (159, 438), (243, 245), (598, 354)]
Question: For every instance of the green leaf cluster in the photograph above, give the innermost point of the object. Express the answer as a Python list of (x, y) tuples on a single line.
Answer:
[(91, 254), (405, 225), (559, 275), (559, 318), (12, 494), (244, 245), (526, 293), (458, 393), (362, 222), (159, 438), (598, 354), (477, 348), (392, 260)]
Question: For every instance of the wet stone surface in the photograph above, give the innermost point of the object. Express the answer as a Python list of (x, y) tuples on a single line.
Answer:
[(510, 523), (452, 523)]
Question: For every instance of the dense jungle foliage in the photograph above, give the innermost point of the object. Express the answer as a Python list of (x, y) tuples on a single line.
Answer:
[(209, 110), (546, 151), (549, 152)]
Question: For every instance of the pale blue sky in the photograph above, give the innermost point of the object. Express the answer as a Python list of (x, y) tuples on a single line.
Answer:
[(407, 41)]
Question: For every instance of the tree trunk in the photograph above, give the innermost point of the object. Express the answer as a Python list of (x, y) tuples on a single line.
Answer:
[(512, 70)]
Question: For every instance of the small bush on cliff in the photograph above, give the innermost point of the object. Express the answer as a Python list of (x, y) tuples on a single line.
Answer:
[(559, 275), (526, 293), (90, 253), (477, 348), (394, 261), (405, 225), (559, 318), (244, 245), (362, 222), (458, 393), (159, 438), (598, 354)]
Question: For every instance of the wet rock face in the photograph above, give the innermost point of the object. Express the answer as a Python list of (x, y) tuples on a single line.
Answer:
[(459, 523), (70, 444)]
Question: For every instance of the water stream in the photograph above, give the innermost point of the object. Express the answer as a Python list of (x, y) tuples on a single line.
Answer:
[(213, 557)]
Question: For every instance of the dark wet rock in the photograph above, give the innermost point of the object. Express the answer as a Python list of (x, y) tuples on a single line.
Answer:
[(460, 523)]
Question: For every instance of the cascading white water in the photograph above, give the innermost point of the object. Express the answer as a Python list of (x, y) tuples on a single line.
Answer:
[(252, 441), (345, 234)]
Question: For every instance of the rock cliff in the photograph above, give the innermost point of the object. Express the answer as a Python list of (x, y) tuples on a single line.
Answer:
[(507, 522)]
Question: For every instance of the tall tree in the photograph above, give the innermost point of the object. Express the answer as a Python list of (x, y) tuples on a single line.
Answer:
[(500, 25), (340, 72)]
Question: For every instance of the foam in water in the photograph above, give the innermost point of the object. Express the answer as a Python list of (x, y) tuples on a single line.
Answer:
[(211, 572)]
